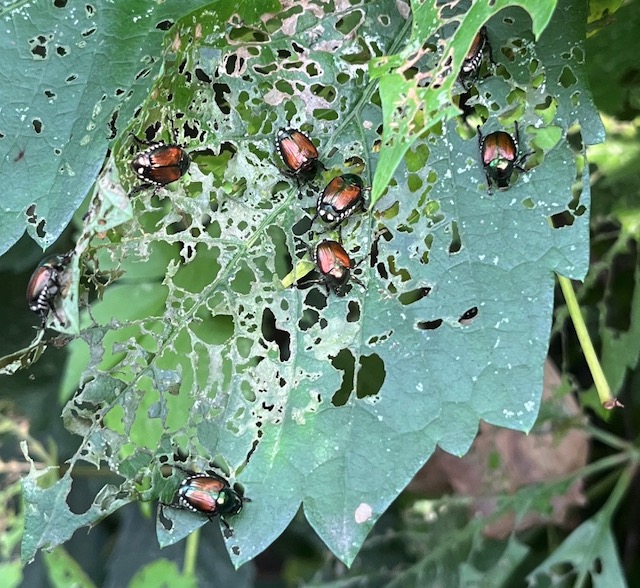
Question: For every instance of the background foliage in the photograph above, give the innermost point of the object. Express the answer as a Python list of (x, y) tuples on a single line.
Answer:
[(194, 348)]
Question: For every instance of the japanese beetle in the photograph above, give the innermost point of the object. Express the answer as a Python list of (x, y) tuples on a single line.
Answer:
[(499, 154), (298, 153), (335, 265), (159, 164), (473, 58), (46, 284), (208, 494), (340, 199)]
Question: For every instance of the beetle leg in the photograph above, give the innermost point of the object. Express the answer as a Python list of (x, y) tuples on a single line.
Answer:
[(43, 318), (306, 245), (489, 183), (353, 278), (224, 522), (227, 532), (519, 164), (139, 188), (480, 140), (317, 281)]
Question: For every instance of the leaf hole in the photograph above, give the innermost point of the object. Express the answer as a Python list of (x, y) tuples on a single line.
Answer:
[(315, 298), (40, 229), (266, 70), (345, 362), (371, 375), (38, 47), (412, 296), (143, 73), (203, 76), (567, 79), (282, 257), (79, 498), (456, 243), (350, 22), (308, 318), (468, 316), (312, 70), (219, 91), (328, 93), (353, 314), (429, 325), (164, 25), (302, 227), (271, 333), (562, 219), (248, 35), (51, 95)]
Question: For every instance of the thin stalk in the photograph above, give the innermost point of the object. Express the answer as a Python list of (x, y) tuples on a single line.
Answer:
[(599, 379), (191, 554)]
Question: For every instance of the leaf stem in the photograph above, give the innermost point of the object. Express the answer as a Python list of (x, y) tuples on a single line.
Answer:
[(191, 553), (599, 379)]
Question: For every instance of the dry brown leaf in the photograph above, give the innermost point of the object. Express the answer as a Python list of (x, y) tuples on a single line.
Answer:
[(502, 461)]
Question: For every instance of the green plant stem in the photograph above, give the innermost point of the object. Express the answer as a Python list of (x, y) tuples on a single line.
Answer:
[(609, 439), (599, 379), (191, 554)]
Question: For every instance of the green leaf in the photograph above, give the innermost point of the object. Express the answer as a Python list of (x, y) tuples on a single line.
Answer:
[(73, 75), (408, 109), (617, 96), (49, 521), (314, 400), (590, 552), (65, 571), (11, 574), (162, 573)]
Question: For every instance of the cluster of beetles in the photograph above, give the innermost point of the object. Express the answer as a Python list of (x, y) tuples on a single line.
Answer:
[(160, 164)]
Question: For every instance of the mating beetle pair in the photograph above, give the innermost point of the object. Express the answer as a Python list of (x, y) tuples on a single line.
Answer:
[(208, 494), (47, 283), (341, 197)]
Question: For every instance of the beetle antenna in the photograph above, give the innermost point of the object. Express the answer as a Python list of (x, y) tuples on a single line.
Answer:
[(140, 141)]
